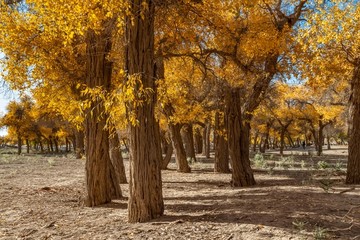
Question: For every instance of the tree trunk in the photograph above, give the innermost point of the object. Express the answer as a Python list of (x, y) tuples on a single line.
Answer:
[(328, 142), (145, 188), (255, 141), (167, 158), (206, 141), (221, 147), (189, 141), (67, 144), (116, 157), (56, 143), (79, 144), (282, 141), (238, 141), (51, 144), (353, 167), (27, 145), (41, 145), (99, 177), (19, 144), (180, 154), (198, 141), (320, 138)]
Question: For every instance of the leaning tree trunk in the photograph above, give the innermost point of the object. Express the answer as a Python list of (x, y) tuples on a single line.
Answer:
[(188, 137), (116, 157), (238, 141), (353, 167), (98, 69), (221, 147), (180, 154), (167, 158), (145, 187)]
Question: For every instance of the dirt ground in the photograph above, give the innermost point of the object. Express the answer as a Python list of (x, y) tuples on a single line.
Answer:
[(41, 197)]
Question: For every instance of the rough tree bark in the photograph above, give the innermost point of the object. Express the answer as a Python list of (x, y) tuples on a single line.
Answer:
[(221, 146), (98, 164), (145, 187), (167, 158), (178, 146), (180, 154), (116, 157), (353, 167), (238, 141), (188, 137)]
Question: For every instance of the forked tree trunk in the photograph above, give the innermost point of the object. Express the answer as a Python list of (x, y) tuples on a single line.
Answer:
[(116, 157), (145, 188), (353, 167), (188, 137), (221, 146), (238, 141), (99, 180)]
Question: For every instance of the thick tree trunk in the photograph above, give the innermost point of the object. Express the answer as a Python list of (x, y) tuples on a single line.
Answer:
[(353, 167), (99, 177), (145, 188), (188, 137), (238, 141), (180, 154), (221, 147), (116, 157)]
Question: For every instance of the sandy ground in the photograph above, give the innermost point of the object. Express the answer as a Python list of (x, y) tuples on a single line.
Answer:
[(41, 197)]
